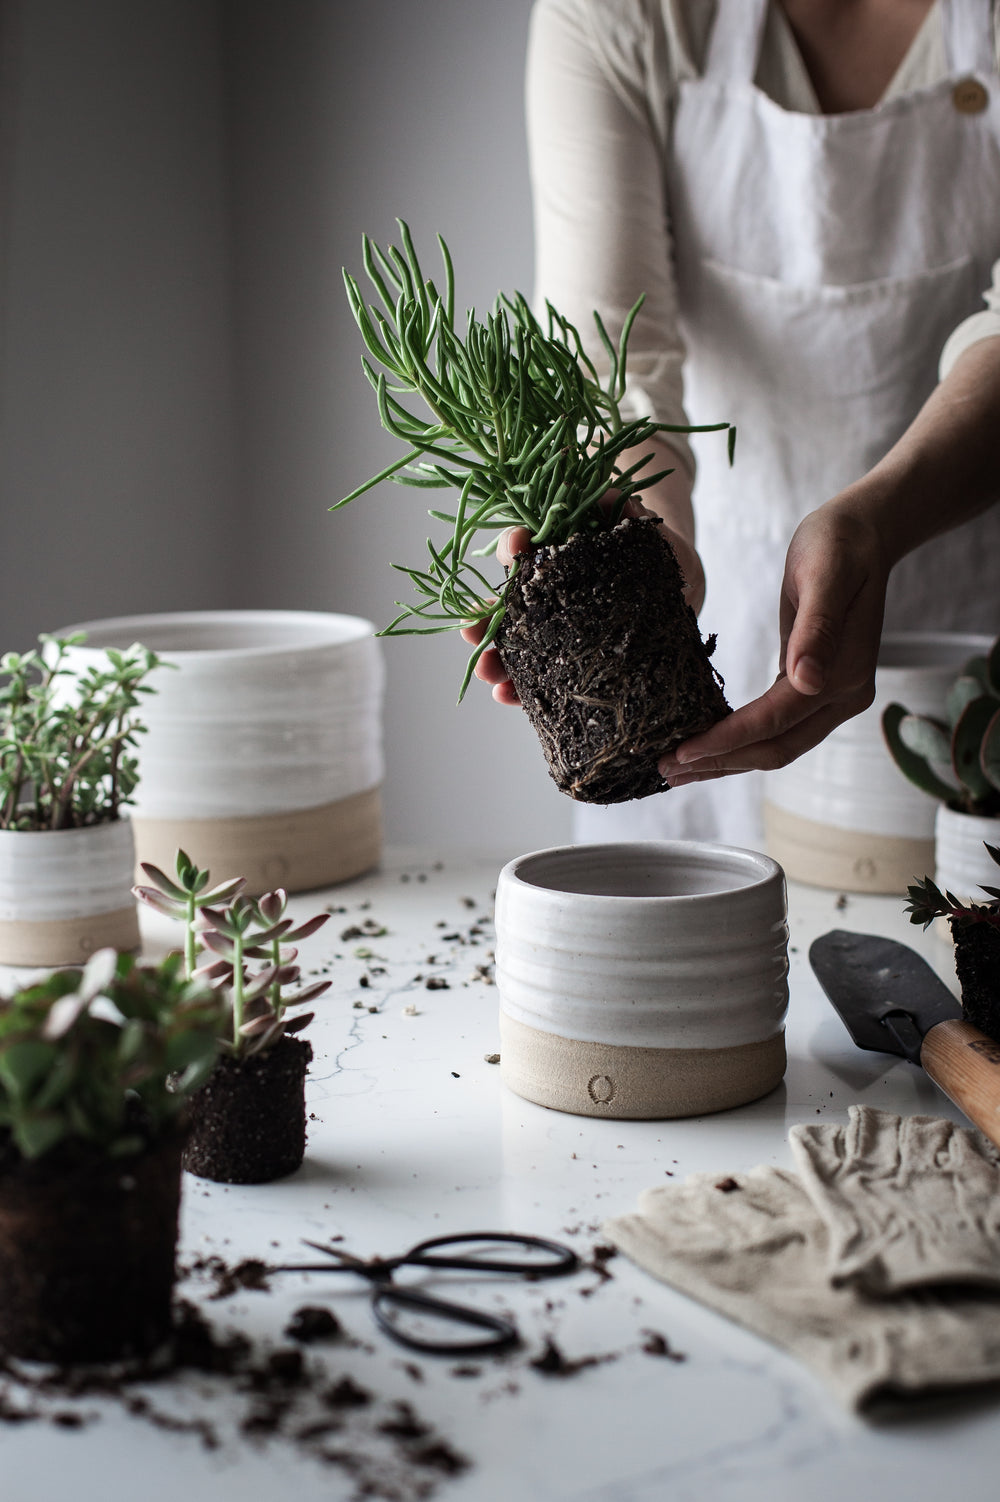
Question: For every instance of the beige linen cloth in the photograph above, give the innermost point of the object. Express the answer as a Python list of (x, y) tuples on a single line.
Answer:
[(879, 1266)]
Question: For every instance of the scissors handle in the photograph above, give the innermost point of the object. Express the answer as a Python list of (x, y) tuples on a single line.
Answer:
[(388, 1298), (558, 1261)]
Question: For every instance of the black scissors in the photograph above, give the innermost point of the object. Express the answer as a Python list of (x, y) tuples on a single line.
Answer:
[(539, 1259)]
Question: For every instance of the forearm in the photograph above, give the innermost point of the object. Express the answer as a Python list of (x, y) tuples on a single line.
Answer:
[(945, 469)]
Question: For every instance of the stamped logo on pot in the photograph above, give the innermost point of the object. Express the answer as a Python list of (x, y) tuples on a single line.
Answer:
[(601, 1089)]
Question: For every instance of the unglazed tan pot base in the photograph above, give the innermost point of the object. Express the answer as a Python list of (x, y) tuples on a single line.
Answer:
[(68, 941), (300, 850), (844, 859), (628, 1083)]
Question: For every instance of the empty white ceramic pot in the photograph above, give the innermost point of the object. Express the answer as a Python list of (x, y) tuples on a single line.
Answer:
[(843, 816), (263, 754), (65, 893), (642, 980)]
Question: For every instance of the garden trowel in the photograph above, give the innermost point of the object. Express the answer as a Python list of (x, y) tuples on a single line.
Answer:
[(892, 1002)]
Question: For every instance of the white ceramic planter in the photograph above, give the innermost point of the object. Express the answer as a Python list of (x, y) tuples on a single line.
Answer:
[(843, 815), (263, 755), (65, 893), (962, 863), (642, 980)]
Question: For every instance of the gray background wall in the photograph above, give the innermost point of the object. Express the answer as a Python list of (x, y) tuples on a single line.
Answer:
[(181, 396)]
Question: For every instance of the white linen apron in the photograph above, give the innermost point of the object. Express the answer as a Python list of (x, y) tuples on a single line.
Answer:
[(821, 262)]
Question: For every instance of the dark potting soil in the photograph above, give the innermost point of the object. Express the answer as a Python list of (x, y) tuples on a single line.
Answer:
[(258, 1397), (607, 659), (248, 1121), (977, 964), (87, 1252)]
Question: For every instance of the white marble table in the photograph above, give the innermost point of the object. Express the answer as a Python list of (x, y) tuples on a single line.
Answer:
[(413, 1135)]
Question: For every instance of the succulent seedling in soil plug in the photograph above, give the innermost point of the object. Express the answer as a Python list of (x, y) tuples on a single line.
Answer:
[(975, 927), (96, 1070), (248, 1120), (67, 738), (957, 759), (592, 625)]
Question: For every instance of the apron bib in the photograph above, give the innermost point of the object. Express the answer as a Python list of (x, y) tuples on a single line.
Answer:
[(821, 263)]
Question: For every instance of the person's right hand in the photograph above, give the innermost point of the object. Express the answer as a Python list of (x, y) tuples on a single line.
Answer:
[(517, 541)]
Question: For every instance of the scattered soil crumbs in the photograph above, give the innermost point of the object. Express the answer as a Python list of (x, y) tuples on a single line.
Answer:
[(656, 1344), (727, 1186), (369, 929), (257, 1396), (552, 1362), (250, 1275), (312, 1323), (600, 1256)]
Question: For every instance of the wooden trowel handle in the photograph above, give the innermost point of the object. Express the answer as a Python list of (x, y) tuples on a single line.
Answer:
[(966, 1065)]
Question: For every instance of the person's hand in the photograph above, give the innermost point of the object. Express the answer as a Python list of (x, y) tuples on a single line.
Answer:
[(830, 619), (517, 540)]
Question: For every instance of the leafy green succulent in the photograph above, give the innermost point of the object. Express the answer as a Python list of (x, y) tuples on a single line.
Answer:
[(248, 959), (87, 1054), (66, 755), (927, 902), (965, 746), (520, 424)]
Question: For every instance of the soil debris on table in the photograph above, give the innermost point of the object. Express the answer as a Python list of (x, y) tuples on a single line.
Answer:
[(552, 1363), (656, 1344), (261, 1395)]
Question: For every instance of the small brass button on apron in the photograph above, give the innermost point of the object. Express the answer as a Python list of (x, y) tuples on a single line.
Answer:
[(970, 97)]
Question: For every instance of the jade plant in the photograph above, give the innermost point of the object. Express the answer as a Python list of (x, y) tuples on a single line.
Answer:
[(513, 416), (955, 759), (106, 1056), (249, 959), (67, 738)]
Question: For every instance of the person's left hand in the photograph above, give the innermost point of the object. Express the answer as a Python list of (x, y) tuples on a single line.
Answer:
[(830, 621)]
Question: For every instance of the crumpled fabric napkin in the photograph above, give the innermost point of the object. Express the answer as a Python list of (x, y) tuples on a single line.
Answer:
[(908, 1201), (758, 1248)]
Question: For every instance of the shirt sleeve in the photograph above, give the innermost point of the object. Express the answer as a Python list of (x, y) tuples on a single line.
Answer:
[(983, 325), (598, 87)]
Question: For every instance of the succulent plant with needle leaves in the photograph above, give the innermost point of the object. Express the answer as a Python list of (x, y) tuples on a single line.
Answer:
[(515, 417), (237, 930), (966, 744), (926, 901)]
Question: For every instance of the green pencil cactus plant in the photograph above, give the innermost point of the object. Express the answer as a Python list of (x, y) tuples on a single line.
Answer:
[(516, 418), (955, 759)]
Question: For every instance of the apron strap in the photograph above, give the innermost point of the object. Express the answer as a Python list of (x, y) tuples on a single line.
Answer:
[(734, 46), (969, 36)]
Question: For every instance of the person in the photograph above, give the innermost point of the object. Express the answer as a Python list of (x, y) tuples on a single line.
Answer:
[(807, 196)]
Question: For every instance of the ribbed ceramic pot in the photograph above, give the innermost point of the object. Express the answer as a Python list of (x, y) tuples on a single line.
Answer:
[(843, 816), (642, 980), (263, 755), (961, 860), (65, 893)]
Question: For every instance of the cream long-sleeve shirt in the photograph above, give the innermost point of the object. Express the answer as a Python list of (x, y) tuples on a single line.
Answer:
[(602, 82)]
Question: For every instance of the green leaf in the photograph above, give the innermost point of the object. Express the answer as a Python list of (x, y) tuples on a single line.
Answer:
[(966, 742), (912, 765), (926, 737), (35, 1135), (24, 1065), (965, 688), (989, 755)]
